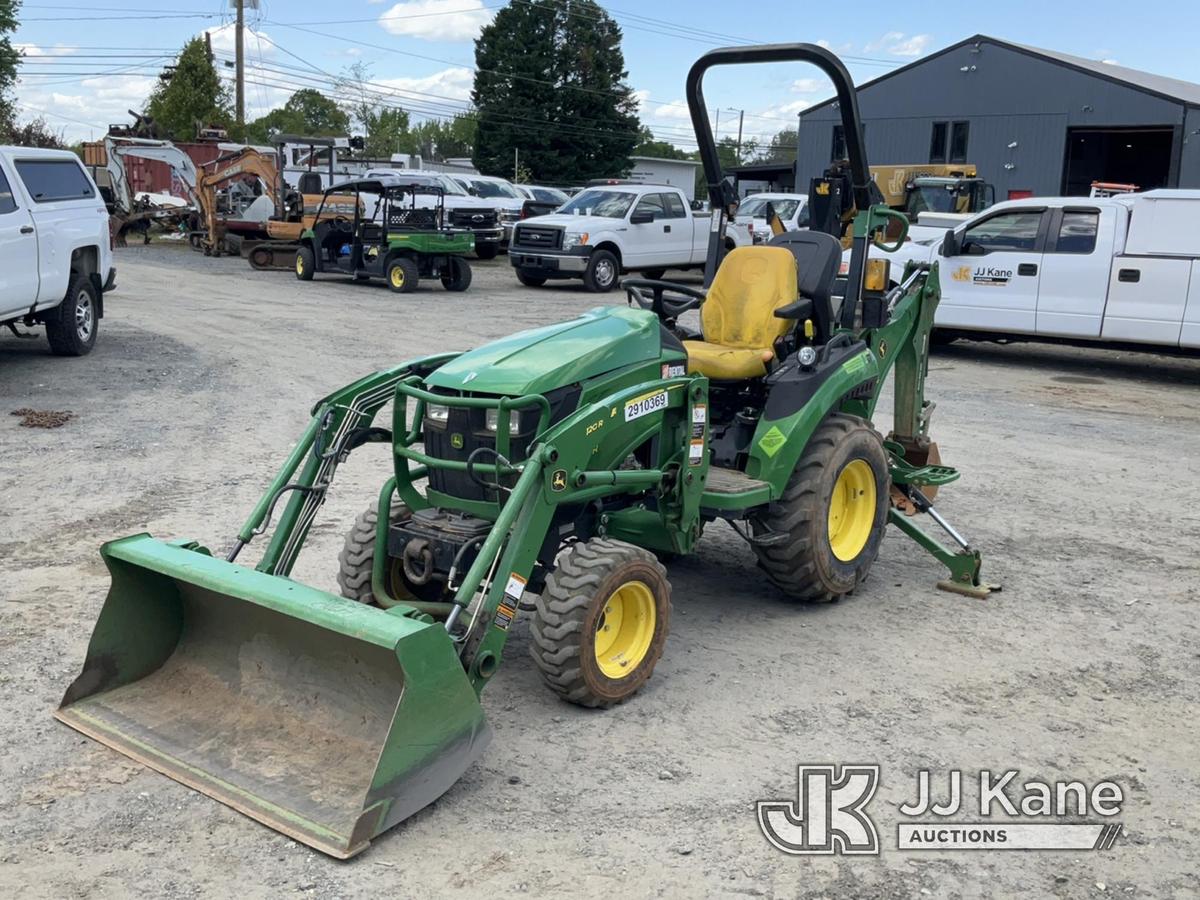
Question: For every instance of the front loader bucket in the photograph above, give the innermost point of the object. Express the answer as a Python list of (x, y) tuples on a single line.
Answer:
[(325, 719)]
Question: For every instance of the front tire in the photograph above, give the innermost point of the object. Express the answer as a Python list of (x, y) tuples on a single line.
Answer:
[(458, 276), (530, 280), (487, 251), (72, 326), (403, 275), (600, 624), (306, 264), (602, 272), (356, 563), (833, 511)]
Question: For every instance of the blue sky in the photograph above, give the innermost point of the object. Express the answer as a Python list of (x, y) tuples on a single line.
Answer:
[(88, 63)]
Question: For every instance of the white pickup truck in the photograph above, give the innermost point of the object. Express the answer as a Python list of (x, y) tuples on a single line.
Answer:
[(55, 248), (1123, 268), (604, 231)]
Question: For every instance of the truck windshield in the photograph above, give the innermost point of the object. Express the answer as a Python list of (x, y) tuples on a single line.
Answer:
[(756, 207), (607, 204), (492, 189), (944, 198), (450, 186)]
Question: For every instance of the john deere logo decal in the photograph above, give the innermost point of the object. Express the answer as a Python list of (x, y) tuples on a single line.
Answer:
[(456, 441), (558, 481), (772, 441)]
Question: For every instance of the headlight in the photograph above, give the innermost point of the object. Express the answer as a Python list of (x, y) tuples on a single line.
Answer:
[(510, 215), (437, 412), (574, 240), (492, 420), (808, 356)]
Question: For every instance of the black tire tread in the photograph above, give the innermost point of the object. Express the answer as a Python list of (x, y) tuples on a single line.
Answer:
[(562, 607), (61, 333)]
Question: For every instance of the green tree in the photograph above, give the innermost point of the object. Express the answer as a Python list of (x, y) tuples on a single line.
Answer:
[(648, 145), (190, 94), (782, 147), (10, 58), (384, 127), (550, 86), (307, 112), (440, 139)]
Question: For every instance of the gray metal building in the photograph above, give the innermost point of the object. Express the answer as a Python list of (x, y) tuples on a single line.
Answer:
[(1034, 122)]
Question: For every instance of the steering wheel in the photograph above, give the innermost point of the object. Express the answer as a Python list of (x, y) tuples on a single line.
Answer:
[(341, 223), (665, 307)]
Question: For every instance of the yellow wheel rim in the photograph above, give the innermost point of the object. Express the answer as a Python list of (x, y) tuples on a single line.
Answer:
[(299, 265), (625, 629), (852, 510), (397, 277)]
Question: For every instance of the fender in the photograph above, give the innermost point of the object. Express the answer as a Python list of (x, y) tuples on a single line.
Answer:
[(797, 404)]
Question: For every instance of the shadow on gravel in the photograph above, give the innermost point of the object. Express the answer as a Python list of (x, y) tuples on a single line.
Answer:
[(1094, 363)]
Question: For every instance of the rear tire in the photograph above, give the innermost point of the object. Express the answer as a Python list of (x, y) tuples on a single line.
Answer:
[(602, 273), (530, 280), (600, 624), (834, 511), (458, 276), (403, 275), (487, 251), (72, 326), (357, 560), (306, 264)]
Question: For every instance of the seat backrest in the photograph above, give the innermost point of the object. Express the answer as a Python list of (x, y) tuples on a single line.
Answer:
[(818, 256), (310, 183), (750, 285)]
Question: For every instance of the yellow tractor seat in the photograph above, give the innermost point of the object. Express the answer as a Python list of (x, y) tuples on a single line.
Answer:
[(738, 316)]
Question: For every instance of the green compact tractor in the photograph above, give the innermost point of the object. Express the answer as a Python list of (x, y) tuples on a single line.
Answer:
[(399, 241), (543, 476)]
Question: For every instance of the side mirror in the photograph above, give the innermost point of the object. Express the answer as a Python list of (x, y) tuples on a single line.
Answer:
[(641, 217), (951, 246)]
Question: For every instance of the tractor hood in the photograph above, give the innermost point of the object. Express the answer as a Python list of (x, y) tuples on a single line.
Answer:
[(537, 361)]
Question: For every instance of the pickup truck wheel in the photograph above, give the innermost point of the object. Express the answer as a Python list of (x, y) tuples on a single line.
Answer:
[(654, 274), (602, 272), (71, 326), (457, 276), (487, 251), (530, 280), (306, 264)]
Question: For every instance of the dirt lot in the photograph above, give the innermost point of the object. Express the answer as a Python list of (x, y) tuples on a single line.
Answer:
[(1080, 484)]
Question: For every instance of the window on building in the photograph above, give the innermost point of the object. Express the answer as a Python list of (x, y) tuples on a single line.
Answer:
[(838, 150), (959, 132), (1077, 233), (54, 179), (937, 142)]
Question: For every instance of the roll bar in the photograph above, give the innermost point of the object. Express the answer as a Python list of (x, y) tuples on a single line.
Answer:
[(719, 195)]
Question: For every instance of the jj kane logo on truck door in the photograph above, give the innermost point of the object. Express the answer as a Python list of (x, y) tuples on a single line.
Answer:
[(989, 276)]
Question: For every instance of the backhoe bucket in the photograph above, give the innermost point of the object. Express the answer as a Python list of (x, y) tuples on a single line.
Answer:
[(325, 719)]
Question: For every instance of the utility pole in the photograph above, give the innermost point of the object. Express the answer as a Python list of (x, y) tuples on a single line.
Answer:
[(241, 65), (741, 119)]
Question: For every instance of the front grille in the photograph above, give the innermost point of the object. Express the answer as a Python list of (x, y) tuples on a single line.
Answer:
[(537, 237), (473, 218)]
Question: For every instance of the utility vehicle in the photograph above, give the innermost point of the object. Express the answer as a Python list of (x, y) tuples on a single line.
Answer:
[(396, 239), (537, 477)]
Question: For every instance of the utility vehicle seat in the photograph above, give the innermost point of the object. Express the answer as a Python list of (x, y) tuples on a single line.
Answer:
[(738, 315), (310, 183), (818, 256)]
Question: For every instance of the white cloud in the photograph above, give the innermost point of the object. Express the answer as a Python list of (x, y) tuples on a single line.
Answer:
[(436, 20), (35, 50), (455, 84), (808, 86), (897, 43)]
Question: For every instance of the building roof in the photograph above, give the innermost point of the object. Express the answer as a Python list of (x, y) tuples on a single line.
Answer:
[(1159, 85), (765, 168)]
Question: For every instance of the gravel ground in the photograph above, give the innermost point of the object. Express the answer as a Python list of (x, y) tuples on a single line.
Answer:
[(1079, 483)]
